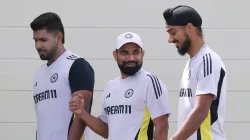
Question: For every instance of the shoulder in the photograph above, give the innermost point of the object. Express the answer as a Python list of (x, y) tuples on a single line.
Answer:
[(210, 63), (209, 58), (155, 86), (81, 69), (152, 79), (78, 62), (75, 59), (41, 68), (210, 55), (148, 76), (81, 62), (71, 56), (111, 83)]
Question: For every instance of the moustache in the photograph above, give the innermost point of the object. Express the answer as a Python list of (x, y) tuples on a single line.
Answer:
[(175, 41), (41, 50), (130, 62)]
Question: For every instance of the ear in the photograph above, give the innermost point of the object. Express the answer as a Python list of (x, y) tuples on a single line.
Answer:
[(59, 37), (115, 55), (189, 28), (142, 53)]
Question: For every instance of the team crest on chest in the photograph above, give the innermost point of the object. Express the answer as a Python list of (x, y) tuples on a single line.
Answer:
[(129, 93), (53, 78)]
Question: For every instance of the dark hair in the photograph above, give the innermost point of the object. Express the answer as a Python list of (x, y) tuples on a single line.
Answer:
[(49, 21)]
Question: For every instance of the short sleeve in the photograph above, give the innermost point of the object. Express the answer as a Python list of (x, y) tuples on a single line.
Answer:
[(81, 76), (103, 115), (157, 97), (209, 75)]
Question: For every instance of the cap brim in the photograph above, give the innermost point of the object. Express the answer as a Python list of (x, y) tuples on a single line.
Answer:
[(118, 47)]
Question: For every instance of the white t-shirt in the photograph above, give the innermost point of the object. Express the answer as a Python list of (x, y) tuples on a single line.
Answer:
[(129, 105), (203, 74), (53, 88)]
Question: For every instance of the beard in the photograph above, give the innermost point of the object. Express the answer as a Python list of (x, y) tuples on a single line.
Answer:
[(47, 55), (185, 46), (129, 70)]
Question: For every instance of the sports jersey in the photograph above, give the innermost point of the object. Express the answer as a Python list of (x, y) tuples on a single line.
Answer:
[(203, 74), (53, 88), (129, 105)]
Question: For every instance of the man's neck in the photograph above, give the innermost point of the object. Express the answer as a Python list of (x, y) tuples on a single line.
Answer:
[(124, 76), (195, 47), (57, 55)]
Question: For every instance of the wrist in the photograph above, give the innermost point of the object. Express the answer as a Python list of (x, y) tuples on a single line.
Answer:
[(176, 137), (83, 113)]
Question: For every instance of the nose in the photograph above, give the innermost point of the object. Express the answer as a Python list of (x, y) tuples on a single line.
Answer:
[(38, 44), (130, 57), (170, 39)]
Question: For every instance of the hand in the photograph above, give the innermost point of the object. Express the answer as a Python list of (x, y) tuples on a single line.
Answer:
[(175, 138), (76, 104)]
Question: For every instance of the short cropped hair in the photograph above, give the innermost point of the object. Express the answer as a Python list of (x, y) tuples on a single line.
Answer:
[(49, 21)]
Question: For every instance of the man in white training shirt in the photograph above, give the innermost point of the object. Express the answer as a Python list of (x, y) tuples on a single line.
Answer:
[(64, 75), (134, 103), (202, 101)]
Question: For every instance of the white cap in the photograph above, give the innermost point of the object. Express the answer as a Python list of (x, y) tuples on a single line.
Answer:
[(128, 37)]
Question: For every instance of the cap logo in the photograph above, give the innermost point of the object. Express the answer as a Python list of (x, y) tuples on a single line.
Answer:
[(128, 35)]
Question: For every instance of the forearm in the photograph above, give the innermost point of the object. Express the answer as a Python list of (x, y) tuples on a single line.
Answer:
[(95, 124), (191, 124), (78, 126), (77, 129), (161, 134)]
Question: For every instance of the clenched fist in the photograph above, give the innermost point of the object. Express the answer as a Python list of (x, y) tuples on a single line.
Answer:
[(76, 104)]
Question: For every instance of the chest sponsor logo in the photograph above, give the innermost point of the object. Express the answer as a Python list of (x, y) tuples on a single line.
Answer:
[(48, 94), (118, 109), (186, 92)]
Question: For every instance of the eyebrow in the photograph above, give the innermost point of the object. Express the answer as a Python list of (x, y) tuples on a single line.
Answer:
[(128, 51), (124, 50), (169, 30)]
